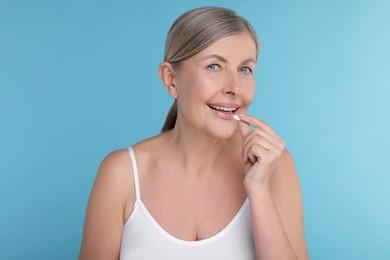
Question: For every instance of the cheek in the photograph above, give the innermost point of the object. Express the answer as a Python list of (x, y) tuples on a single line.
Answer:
[(195, 87), (249, 95)]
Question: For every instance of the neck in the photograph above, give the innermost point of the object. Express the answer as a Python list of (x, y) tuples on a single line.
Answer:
[(196, 151)]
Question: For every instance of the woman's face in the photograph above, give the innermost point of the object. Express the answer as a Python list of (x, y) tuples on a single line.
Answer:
[(217, 83)]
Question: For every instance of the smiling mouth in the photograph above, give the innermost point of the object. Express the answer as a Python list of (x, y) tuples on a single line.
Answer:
[(227, 110)]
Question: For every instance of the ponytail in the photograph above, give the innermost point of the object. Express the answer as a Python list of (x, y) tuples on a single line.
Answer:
[(170, 121)]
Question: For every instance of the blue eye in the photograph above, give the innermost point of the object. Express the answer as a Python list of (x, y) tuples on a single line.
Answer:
[(245, 70), (213, 67)]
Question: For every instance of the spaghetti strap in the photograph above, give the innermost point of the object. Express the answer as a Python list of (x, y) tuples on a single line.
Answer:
[(135, 173)]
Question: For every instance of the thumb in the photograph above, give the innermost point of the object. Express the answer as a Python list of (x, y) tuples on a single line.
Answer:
[(244, 127)]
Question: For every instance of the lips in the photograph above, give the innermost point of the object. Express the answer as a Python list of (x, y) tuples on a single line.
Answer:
[(228, 109)]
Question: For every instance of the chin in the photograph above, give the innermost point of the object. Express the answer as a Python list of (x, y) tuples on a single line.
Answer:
[(221, 132)]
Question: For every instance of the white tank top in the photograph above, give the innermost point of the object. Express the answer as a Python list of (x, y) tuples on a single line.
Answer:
[(144, 238)]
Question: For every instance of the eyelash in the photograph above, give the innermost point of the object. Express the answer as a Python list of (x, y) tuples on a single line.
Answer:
[(210, 67), (246, 67)]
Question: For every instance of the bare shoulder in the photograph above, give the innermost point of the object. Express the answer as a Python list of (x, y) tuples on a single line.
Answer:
[(107, 205), (114, 181), (115, 172), (286, 161), (285, 186), (287, 196), (116, 163), (285, 176)]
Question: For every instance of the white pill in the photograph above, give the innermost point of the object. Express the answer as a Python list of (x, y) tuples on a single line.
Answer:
[(236, 117)]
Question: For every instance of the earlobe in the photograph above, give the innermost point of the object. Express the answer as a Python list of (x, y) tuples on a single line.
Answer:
[(167, 76)]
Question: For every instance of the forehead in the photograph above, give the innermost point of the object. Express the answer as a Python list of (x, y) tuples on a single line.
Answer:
[(237, 46)]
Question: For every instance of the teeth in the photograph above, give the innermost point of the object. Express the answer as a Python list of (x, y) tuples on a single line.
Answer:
[(226, 109)]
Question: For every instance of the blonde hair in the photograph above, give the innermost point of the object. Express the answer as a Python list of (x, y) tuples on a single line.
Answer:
[(196, 30)]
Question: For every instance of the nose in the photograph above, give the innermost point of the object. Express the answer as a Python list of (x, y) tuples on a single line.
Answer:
[(232, 84)]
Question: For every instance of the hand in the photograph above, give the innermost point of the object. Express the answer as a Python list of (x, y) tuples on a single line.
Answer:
[(261, 149)]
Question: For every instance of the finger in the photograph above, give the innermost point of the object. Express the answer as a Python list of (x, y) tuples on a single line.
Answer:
[(258, 154), (254, 140), (259, 124), (245, 128), (253, 158), (258, 132), (266, 131), (261, 142)]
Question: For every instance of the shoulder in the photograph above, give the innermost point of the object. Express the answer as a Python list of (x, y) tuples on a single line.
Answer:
[(285, 166), (113, 191), (107, 205), (284, 180), (286, 160), (116, 165), (286, 193), (114, 181), (116, 162)]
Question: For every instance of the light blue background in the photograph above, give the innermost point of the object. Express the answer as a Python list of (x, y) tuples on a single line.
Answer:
[(78, 79)]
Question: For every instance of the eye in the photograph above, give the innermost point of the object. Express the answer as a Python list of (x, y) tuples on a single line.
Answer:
[(246, 70), (214, 67)]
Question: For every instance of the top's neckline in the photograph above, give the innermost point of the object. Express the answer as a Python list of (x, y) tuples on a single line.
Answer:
[(166, 234)]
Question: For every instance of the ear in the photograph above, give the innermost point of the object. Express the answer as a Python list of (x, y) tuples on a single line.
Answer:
[(167, 76)]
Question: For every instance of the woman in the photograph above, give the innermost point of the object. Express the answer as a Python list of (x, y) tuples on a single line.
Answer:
[(209, 186)]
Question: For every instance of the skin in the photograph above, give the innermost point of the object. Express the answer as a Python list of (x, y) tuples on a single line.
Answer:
[(195, 177)]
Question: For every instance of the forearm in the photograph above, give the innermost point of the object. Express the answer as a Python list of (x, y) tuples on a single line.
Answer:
[(270, 237)]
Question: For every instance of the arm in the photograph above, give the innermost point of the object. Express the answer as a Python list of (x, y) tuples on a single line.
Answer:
[(112, 191), (273, 189)]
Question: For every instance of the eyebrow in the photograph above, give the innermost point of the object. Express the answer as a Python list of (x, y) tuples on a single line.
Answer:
[(224, 60)]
